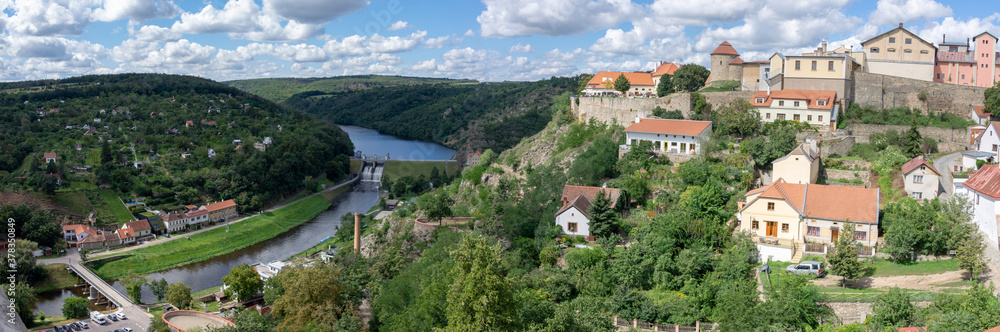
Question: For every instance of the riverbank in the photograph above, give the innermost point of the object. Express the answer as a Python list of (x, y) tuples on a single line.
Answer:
[(216, 242)]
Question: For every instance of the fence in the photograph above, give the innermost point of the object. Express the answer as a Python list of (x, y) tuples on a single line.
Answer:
[(635, 323), (823, 248)]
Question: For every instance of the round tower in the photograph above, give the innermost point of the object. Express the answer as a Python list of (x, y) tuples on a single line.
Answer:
[(722, 70)]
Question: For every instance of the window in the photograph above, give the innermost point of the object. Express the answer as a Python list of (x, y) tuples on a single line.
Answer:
[(767, 116), (821, 102), (814, 65), (909, 41), (892, 50), (795, 117), (963, 76), (781, 116), (781, 103), (784, 228), (571, 227), (994, 145), (892, 39), (829, 65), (796, 104), (798, 65), (770, 206), (755, 225), (907, 51), (923, 51), (874, 50), (859, 235), (812, 230), (917, 195), (760, 100), (820, 118), (918, 179), (809, 118), (940, 76)]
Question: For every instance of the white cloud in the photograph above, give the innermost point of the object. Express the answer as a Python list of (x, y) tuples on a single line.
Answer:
[(521, 48), (425, 65), (957, 31), (901, 11), (153, 33), (136, 10), (399, 25), (439, 42), (271, 30), (470, 33), (313, 11), (781, 25), (703, 12), (49, 17), (513, 18), (359, 45), (647, 39), (237, 16)]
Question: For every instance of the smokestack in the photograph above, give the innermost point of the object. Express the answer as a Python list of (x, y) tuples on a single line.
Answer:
[(944, 38), (357, 232)]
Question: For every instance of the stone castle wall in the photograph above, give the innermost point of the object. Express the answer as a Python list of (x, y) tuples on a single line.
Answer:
[(948, 139), (882, 91), (624, 110)]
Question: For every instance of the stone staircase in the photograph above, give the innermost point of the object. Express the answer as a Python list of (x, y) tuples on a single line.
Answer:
[(798, 250)]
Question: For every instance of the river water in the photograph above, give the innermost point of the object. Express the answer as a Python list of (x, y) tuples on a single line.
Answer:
[(208, 274)]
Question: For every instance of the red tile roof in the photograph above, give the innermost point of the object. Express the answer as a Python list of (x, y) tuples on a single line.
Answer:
[(633, 78), (675, 127), (79, 229), (582, 196), (220, 205), (985, 181), (826, 202), (725, 48), (139, 226), (126, 233), (665, 68), (48, 155), (810, 96), (736, 61), (917, 162), (981, 111), (994, 329)]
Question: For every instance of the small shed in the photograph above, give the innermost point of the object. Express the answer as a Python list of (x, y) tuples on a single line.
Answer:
[(391, 204)]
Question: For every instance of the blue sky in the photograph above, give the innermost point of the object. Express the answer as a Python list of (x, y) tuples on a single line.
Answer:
[(489, 40)]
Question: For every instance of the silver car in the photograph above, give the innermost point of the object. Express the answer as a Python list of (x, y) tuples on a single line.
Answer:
[(807, 267)]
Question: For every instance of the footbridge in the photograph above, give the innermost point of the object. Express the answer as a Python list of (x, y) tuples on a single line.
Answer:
[(98, 288)]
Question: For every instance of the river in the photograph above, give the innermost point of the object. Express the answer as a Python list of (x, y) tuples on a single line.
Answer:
[(208, 274)]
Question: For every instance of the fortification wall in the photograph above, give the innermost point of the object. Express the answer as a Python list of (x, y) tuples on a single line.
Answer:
[(624, 110), (948, 139), (884, 91)]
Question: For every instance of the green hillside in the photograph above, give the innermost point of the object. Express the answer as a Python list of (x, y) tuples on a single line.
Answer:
[(279, 89), (100, 126)]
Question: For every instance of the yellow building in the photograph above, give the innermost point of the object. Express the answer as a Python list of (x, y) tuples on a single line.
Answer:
[(833, 72), (799, 166), (782, 217), (817, 108), (899, 52)]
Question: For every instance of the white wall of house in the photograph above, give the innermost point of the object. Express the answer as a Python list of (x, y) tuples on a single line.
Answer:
[(980, 120), (921, 183), (573, 215), (990, 142), (670, 143), (774, 253), (826, 228), (814, 117), (985, 216)]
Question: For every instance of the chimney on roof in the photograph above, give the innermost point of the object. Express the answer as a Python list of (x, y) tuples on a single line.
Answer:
[(944, 38), (565, 201), (900, 24), (637, 119)]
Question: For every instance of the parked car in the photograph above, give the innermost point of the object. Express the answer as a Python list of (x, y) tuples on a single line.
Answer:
[(807, 267), (75, 326), (83, 324), (121, 316), (113, 317), (127, 329), (58, 328)]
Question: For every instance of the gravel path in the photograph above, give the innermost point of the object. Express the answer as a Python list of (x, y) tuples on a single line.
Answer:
[(943, 165)]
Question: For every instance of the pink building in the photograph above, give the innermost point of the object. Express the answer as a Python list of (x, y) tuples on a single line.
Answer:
[(986, 59)]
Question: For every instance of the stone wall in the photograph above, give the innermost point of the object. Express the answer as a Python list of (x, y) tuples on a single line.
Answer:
[(850, 312), (884, 91), (838, 174), (624, 110), (948, 139), (839, 146)]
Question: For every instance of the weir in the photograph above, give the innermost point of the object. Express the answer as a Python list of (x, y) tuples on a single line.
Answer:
[(371, 175)]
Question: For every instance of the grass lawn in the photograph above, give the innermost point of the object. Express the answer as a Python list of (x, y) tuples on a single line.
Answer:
[(75, 201), (215, 242), (58, 278), (115, 205), (888, 268), (355, 166), (93, 157), (396, 169), (204, 292)]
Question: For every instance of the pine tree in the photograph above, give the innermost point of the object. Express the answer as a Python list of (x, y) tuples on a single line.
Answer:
[(844, 259), (602, 217)]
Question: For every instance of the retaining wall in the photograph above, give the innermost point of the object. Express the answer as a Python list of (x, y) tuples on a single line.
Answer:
[(624, 110), (948, 139), (884, 91)]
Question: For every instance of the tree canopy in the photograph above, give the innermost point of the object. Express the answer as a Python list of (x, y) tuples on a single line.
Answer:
[(690, 77)]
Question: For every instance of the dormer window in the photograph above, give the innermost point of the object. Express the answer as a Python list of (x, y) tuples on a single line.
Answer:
[(821, 102), (781, 103), (760, 100)]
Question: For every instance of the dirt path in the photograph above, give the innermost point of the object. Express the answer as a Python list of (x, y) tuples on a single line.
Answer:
[(931, 282)]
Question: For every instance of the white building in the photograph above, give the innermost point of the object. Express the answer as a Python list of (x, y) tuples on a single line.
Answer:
[(989, 139), (817, 108), (979, 115), (983, 189), (669, 136), (574, 215), (920, 179), (799, 166)]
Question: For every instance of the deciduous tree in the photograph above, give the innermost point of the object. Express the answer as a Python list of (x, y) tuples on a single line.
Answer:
[(243, 282), (133, 285), (844, 259), (690, 77), (313, 296), (159, 288), (892, 309), (75, 307), (622, 84), (665, 86), (439, 207), (992, 98), (179, 295), (481, 297)]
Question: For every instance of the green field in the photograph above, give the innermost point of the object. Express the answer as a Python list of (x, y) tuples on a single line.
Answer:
[(115, 205), (216, 242), (396, 169), (93, 157), (57, 278), (75, 201), (888, 268)]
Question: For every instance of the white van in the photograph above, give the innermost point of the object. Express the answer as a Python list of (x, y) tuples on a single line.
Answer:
[(98, 318)]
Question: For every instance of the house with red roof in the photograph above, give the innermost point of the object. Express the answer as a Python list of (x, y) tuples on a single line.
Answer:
[(989, 139), (920, 179), (783, 216), (603, 84), (817, 108), (669, 136), (573, 217), (473, 158), (983, 189), (50, 157), (221, 210), (75, 233), (665, 68), (979, 114)]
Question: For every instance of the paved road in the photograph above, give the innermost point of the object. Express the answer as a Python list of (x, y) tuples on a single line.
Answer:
[(944, 165)]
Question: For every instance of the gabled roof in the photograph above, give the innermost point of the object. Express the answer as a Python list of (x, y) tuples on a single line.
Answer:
[(666, 68), (994, 124), (220, 205), (818, 201), (139, 225), (48, 155), (914, 163), (582, 196), (986, 181), (725, 48), (633, 78), (904, 30), (984, 33), (810, 96), (804, 150), (666, 126), (126, 233), (980, 110), (79, 229)]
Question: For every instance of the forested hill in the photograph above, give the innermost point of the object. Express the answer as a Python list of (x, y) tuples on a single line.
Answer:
[(279, 89), (462, 116), (168, 123)]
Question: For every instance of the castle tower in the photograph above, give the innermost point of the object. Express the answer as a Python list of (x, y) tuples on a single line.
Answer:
[(722, 69)]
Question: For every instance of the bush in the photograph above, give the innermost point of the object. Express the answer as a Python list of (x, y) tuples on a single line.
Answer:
[(548, 255)]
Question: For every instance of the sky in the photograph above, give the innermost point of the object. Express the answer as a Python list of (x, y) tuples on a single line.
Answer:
[(487, 40)]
